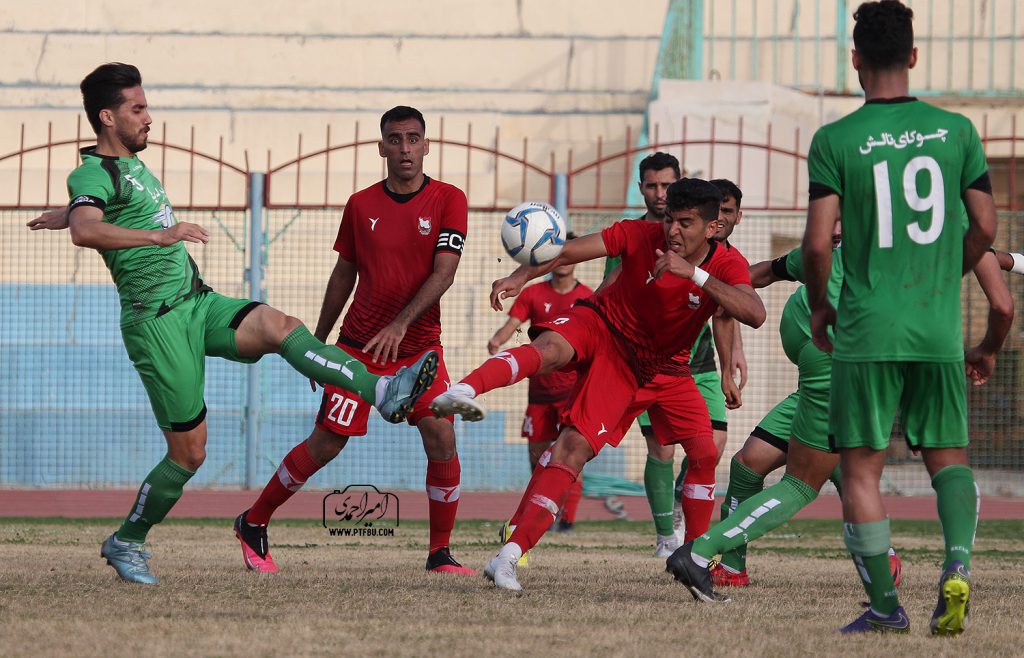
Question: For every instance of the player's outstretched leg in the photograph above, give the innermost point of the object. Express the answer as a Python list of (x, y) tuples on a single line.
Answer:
[(692, 571), (393, 396), (503, 369), (255, 546)]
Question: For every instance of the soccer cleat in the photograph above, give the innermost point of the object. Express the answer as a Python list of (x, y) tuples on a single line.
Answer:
[(616, 507), (441, 561), (950, 616), (130, 560), (666, 545), (722, 577), (458, 400), (255, 547), (697, 579), (564, 527), (870, 622), (406, 386), (504, 533), (896, 566), (501, 569)]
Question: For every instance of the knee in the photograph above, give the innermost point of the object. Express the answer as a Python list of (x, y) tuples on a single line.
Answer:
[(324, 446), (438, 436), (191, 458)]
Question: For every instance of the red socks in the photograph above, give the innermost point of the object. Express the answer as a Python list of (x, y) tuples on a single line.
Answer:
[(540, 503), (572, 501), (443, 494), (297, 467), (698, 495), (504, 369)]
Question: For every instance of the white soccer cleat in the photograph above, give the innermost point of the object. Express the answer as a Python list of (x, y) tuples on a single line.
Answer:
[(666, 546), (501, 569), (458, 400)]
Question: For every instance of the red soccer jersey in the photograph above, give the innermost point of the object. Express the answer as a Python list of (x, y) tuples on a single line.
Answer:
[(392, 239), (658, 318), (540, 303)]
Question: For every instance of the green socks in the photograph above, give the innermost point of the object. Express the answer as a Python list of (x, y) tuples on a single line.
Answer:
[(328, 364), (658, 484), (157, 495), (757, 516), (869, 545), (743, 483), (957, 499)]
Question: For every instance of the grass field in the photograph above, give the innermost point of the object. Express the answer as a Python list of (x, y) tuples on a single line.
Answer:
[(597, 592)]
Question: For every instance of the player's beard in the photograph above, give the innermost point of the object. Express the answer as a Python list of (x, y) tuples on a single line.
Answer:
[(134, 142)]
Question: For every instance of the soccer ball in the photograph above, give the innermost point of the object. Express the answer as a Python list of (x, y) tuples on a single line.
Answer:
[(533, 233)]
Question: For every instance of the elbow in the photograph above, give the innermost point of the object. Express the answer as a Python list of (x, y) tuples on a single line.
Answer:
[(757, 318), (78, 237), (1003, 309)]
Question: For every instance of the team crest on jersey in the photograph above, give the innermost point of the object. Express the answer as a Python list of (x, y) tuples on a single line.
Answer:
[(694, 301), (423, 224)]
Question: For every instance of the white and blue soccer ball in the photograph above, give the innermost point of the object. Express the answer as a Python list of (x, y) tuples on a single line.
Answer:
[(533, 233)]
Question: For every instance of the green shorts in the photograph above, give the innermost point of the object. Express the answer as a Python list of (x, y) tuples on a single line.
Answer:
[(930, 397), (710, 386), (169, 354), (803, 414)]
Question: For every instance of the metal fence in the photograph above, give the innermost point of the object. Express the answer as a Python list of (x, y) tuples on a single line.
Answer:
[(72, 412)]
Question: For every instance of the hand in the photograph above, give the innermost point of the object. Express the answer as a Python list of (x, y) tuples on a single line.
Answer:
[(979, 364), (182, 232), (52, 220), (671, 262), (493, 346), (733, 399), (821, 319), (385, 344), (739, 366), (509, 286)]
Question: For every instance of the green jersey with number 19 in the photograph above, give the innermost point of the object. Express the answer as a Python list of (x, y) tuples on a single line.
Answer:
[(900, 168), (150, 279)]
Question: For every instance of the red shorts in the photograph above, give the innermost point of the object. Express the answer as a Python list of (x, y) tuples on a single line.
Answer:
[(345, 413), (543, 421), (678, 413), (605, 386)]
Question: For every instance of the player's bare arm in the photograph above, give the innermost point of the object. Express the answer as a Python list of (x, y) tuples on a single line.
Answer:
[(817, 261), (980, 360), (384, 345), (723, 329), (583, 248), (761, 274), (981, 231), (51, 220), (89, 230), (739, 357), (502, 335)]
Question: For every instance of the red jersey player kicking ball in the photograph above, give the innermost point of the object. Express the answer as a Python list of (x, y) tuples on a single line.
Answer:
[(674, 277)]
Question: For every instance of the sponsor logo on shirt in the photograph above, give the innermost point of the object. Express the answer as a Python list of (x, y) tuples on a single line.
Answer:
[(547, 306), (423, 223), (650, 277), (373, 222)]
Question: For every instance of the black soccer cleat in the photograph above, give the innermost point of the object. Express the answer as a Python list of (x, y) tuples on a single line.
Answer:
[(697, 579), (255, 547), (441, 561)]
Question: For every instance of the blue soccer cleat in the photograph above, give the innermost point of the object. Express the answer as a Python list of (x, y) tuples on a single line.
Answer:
[(406, 387), (870, 622), (129, 559)]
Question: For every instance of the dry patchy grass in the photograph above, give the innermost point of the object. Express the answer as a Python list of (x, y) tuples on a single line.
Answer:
[(595, 593)]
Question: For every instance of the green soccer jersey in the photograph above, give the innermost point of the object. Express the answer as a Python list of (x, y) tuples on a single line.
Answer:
[(900, 168), (795, 324), (151, 279)]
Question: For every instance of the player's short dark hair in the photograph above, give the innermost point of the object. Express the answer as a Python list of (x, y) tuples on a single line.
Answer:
[(694, 193), (658, 161), (402, 113), (884, 33), (102, 89), (728, 188)]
